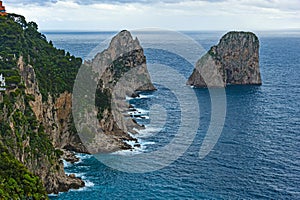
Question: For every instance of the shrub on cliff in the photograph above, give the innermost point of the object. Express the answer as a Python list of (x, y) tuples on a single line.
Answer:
[(55, 69), (16, 182)]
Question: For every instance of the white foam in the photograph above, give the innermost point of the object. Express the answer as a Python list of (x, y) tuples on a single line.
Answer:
[(130, 142), (83, 167), (67, 164), (133, 151), (142, 111), (53, 195), (83, 156), (89, 183), (128, 98), (148, 132), (80, 175), (141, 96), (148, 143)]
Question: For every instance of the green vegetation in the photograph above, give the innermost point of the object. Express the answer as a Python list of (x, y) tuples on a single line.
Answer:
[(103, 95), (26, 127), (55, 69), (119, 67), (102, 101), (21, 134), (16, 182), (212, 52)]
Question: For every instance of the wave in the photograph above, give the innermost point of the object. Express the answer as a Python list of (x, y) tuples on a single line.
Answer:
[(79, 175), (53, 195), (67, 164), (148, 132), (83, 156), (89, 183), (142, 96), (141, 148)]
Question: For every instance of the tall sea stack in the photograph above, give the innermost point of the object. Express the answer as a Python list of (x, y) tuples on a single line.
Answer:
[(234, 61), (120, 71)]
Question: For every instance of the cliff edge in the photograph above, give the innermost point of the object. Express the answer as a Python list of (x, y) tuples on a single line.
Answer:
[(234, 61)]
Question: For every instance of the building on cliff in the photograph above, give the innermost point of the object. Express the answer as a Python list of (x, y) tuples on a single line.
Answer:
[(2, 10), (2, 83)]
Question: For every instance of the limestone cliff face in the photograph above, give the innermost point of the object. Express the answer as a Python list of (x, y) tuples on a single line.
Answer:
[(121, 70), (54, 116), (26, 140), (235, 60), (35, 109)]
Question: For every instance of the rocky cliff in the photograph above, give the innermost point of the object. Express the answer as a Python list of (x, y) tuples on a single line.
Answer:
[(120, 70), (25, 137), (55, 114), (36, 121), (35, 117), (234, 61)]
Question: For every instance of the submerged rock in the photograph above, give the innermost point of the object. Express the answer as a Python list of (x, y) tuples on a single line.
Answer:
[(235, 60)]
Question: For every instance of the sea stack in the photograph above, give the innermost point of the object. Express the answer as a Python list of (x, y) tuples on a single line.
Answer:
[(234, 61), (122, 71)]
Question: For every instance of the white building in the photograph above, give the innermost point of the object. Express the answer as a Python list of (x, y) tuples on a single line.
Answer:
[(2, 82)]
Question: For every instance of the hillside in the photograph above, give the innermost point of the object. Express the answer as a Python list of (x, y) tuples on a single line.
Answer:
[(35, 120)]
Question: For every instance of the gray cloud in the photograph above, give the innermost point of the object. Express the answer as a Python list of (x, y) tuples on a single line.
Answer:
[(90, 2), (27, 2), (126, 1), (140, 1), (190, 15)]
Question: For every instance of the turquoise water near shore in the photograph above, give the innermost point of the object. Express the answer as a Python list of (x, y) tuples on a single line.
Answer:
[(257, 155)]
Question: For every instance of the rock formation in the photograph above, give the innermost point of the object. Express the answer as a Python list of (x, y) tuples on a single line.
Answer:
[(234, 61), (55, 113), (32, 129), (36, 119), (121, 70), (29, 119)]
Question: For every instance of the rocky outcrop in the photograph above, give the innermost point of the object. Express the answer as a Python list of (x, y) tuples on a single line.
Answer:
[(36, 121), (25, 138), (40, 133), (234, 61), (55, 119), (121, 70), (55, 113)]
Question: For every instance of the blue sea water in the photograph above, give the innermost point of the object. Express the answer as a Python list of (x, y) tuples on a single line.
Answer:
[(257, 155)]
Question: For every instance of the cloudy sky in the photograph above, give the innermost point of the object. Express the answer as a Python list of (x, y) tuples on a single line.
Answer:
[(169, 14)]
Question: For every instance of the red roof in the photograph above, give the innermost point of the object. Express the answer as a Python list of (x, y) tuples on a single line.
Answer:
[(2, 9)]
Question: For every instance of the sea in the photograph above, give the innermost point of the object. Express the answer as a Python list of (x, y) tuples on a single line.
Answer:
[(257, 154)]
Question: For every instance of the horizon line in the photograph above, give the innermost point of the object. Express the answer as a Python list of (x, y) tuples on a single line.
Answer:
[(196, 30)]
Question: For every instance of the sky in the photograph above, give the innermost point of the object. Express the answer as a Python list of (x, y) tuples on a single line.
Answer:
[(104, 15)]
